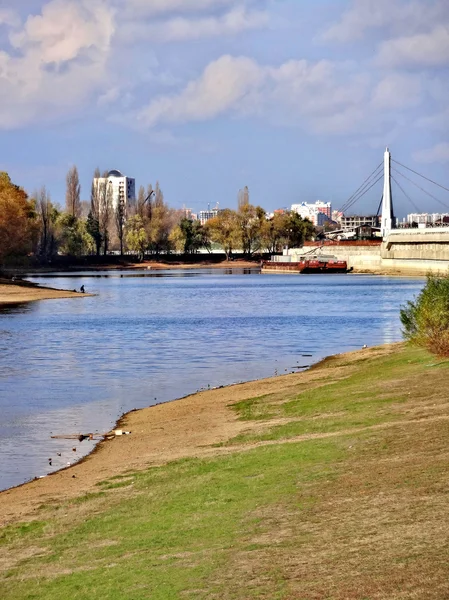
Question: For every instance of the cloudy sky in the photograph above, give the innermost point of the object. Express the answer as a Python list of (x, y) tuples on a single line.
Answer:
[(295, 98)]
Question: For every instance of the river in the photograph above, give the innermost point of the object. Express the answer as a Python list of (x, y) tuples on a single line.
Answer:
[(71, 366)]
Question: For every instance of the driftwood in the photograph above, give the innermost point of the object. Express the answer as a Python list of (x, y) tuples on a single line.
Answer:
[(90, 436)]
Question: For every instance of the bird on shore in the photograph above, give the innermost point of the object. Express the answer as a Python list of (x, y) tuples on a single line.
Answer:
[(364, 346), (58, 454), (74, 449), (50, 462)]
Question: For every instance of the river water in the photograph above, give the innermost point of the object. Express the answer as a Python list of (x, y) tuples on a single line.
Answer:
[(76, 365)]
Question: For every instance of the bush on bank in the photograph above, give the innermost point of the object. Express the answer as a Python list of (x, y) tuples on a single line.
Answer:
[(426, 320)]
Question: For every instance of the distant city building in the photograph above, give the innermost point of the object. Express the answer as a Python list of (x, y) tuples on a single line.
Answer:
[(354, 221), (337, 215), (243, 197), (123, 189), (207, 215), (427, 219), (187, 213), (318, 213)]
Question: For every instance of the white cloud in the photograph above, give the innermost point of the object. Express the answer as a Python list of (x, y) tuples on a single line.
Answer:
[(181, 28), (223, 84), (322, 96), (394, 16), (9, 17), (437, 154), (423, 50), (60, 60), (396, 91), (64, 29), (138, 8)]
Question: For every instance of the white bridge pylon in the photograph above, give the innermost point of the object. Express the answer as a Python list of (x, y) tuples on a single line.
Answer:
[(387, 200)]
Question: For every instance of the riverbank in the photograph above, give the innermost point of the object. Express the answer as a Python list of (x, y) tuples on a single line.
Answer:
[(125, 265), (329, 483), (24, 291)]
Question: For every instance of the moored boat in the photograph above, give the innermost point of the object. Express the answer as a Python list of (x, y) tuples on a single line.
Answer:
[(307, 265)]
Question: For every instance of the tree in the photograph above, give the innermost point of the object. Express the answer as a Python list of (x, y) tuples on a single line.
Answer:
[(426, 321), (251, 220), (189, 236), (93, 229), (47, 216), (274, 232), (73, 191), (120, 219), (136, 236), (298, 230), (224, 230), (18, 225), (75, 241), (105, 210)]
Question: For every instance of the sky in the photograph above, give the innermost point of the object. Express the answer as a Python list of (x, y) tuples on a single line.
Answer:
[(297, 99)]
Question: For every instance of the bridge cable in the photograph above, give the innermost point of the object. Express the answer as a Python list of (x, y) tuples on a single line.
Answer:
[(380, 205), (423, 176), (422, 189), (405, 193), (347, 206), (359, 189)]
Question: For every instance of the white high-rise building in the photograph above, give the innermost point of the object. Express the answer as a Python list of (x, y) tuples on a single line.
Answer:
[(318, 213), (123, 189)]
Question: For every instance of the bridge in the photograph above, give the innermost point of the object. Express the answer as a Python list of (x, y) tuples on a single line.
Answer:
[(414, 250)]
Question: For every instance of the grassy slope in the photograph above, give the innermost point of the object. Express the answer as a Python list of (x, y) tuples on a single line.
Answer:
[(338, 490)]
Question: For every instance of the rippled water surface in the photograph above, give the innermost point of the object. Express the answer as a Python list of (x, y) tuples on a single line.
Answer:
[(76, 365)]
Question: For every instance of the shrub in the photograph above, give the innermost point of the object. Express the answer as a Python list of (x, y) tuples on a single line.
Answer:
[(426, 320)]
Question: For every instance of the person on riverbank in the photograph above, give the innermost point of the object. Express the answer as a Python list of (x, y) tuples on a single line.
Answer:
[(82, 289)]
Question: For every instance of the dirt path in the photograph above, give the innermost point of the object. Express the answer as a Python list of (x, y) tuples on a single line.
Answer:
[(184, 428)]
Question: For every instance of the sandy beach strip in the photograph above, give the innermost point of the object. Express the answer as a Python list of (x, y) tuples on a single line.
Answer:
[(25, 292), (189, 427)]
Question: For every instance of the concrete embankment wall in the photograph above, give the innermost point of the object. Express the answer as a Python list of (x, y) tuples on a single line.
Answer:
[(397, 254)]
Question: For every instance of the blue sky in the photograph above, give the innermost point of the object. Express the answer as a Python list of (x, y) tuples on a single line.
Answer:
[(296, 99)]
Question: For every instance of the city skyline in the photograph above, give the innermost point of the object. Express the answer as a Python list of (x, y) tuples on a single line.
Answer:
[(297, 101)]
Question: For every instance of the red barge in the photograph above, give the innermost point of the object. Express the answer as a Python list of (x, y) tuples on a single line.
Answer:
[(307, 265)]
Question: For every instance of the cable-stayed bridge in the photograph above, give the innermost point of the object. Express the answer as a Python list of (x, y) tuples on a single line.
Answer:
[(400, 248), (398, 176)]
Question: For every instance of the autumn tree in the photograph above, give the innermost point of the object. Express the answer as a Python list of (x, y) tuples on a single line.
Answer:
[(274, 232), (73, 191), (136, 236), (224, 230), (159, 222), (251, 220), (18, 225)]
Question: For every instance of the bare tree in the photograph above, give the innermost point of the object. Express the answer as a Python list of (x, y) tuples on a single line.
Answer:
[(73, 191), (105, 210), (120, 220), (140, 207), (47, 214)]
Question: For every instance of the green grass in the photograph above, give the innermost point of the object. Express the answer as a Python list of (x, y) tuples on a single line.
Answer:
[(357, 515)]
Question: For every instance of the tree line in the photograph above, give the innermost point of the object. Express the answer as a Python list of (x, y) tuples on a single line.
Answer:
[(146, 227)]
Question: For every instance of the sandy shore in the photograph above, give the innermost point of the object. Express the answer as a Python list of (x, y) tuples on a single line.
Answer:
[(25, 292), (183, 428)]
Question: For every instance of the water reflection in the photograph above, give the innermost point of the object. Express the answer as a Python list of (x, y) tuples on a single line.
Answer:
[(152, 337)]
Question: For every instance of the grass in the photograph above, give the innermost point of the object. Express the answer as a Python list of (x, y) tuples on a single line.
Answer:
[(360, 514)]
